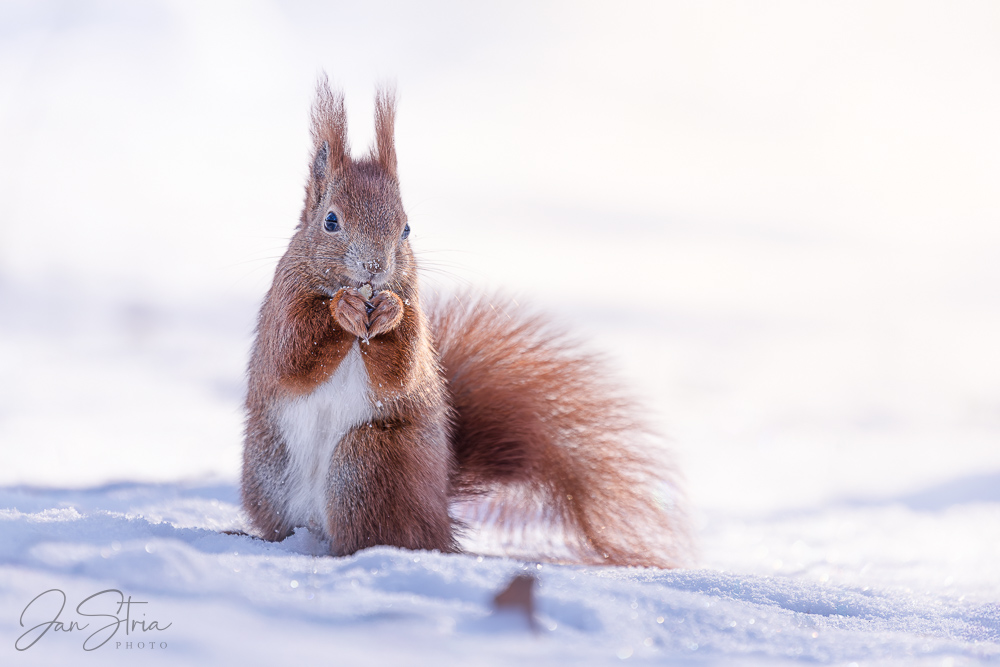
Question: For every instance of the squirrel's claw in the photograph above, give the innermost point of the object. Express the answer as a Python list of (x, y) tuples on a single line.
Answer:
[(387, 313), (350, 313)]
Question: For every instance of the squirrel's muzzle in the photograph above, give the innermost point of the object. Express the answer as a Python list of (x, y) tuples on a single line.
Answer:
[(373, 266)]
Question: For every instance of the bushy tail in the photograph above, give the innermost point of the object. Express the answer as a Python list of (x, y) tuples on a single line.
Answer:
[(543, 437)]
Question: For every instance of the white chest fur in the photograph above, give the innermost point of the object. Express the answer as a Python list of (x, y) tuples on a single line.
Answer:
[(312, 426)]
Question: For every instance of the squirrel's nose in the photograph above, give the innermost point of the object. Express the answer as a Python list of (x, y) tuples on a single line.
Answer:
[(372, 266)]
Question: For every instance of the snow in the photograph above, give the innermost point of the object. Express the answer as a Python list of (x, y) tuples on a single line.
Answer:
[(161, 544), (788, 252)]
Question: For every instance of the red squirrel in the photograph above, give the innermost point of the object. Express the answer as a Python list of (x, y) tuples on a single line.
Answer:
[(370, 412)]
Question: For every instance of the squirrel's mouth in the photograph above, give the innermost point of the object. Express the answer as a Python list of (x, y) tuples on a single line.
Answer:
[(377, 283)]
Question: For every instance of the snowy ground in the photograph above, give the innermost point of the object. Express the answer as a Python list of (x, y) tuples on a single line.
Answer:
[(778, 222), (233, 600), (819, 587)]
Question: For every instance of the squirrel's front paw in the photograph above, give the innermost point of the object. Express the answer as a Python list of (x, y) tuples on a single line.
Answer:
[(387, 313), (348, 310)]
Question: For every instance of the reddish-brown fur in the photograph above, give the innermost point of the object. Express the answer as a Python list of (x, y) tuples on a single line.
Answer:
[(389, 477), (542, 432), (504, 410)]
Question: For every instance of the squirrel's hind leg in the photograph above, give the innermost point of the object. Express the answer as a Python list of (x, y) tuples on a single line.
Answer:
[(389, 482), (264, 463)]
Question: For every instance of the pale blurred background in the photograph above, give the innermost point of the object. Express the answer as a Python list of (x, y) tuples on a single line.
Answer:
[(779, 220)]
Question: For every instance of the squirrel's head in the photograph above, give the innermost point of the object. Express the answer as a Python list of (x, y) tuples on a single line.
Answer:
[(353, 229)]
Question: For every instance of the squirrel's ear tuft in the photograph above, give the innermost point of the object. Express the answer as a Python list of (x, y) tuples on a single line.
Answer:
[(329, 135), (384, 151)]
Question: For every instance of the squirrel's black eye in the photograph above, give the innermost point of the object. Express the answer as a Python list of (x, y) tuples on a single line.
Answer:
[(406, 230), (331, 224)]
